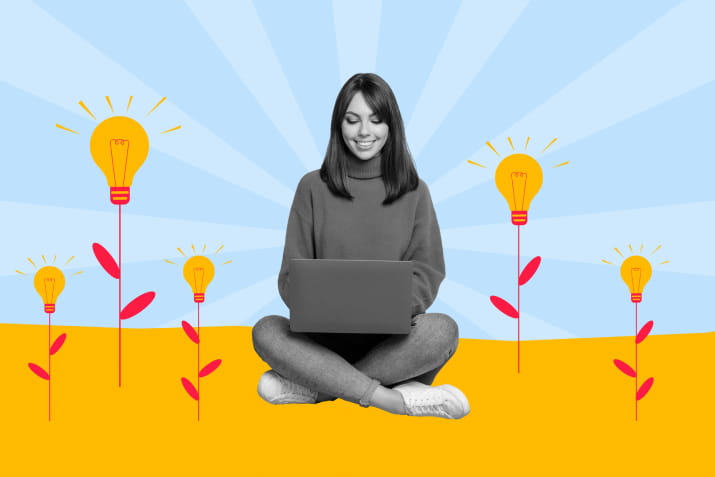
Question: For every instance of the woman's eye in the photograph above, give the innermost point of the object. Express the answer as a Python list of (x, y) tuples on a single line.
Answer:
[(350, 121), (377, 121)]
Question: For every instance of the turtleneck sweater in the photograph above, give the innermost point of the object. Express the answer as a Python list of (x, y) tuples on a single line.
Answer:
[(322, 225)]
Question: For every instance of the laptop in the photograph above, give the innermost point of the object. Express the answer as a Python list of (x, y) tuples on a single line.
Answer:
[(350, 296)]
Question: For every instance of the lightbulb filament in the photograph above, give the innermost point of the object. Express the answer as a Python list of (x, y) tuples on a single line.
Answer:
[(518, 188)]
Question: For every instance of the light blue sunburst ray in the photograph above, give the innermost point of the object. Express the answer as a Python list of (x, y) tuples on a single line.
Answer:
[(357, 31), (237, 31), (477, 30), (61, 68), (620, 86), (684, 230), (68, 232)]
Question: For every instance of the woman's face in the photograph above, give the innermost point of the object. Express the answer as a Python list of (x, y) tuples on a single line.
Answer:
[(363, 132)]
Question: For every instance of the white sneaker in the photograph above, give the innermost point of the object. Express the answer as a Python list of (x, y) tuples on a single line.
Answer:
[(276, 389), (438, 401)]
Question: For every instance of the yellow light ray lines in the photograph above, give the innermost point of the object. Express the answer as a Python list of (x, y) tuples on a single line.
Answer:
[(618, 251), (630, 247), (181, 251), (44, 259), (169, 130), (656, 249), (527, 143), (492, 148), (225, 263), (33, 263), (204, 249), (66, 129), (77, 273), (156, 106), (87, 109), (476, 164), (130, 102), (169, 261), (70, 259), (562, 164), (109, 102), (642, 247), (511, 144), (193, 248), (606, 261), (549, 145), (21, 273), (54, 259), (663, 263), (219, 249)]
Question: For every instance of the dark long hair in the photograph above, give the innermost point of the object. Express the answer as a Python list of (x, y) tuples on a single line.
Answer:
[(397, 167)]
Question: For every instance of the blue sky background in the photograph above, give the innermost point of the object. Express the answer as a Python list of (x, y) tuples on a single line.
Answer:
[(626, 87)]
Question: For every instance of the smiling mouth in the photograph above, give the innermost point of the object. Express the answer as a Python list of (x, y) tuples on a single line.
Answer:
[(364, 144)]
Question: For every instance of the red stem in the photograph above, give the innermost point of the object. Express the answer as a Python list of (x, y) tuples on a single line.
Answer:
[(198, 362), (636, 362), (518, 299), (49, 367), (119, 319)]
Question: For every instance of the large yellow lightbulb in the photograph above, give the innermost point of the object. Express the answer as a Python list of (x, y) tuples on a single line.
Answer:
[(119, 146), (518, 179), (198, 273), (49, 283), (635, 272)]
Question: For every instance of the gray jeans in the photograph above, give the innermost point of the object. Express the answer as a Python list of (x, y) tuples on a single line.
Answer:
[(347, 366)]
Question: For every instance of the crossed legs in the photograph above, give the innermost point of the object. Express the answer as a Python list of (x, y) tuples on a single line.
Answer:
[(418, 355)]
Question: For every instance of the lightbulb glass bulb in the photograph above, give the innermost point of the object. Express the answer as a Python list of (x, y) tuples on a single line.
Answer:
[(636, 272), (49, 283), (119, 146), (198, 273), (519, 178)]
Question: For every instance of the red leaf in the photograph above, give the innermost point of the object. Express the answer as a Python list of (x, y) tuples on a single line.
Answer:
[(209, 368), (190, 389), (504, 307), (644, 331), (529, 270), (39, 371), (58, 343), (190, 332), (645, 387), (106, 260), (625, 368), (137, 305)]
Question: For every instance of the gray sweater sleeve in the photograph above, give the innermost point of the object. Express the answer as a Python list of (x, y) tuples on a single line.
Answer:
[(300, 240), (425, 252)]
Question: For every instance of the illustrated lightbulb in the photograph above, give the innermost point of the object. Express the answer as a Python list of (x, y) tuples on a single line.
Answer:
[(519, 179), (119, 146), (635, 272), (198, 273), (49, 283)]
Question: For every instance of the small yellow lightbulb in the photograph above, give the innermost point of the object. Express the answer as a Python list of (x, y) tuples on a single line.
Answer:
[(635, 272), (519, 178), (49, 283), (198, 273)]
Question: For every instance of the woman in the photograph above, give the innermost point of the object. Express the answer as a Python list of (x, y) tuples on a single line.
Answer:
[(366, 202)]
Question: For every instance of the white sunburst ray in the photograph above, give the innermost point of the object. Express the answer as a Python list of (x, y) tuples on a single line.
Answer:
[(237, 31), (236, 308), (357, 32), (584, 238), (72, 231), (65, 59), (634, 76), (477, 30)]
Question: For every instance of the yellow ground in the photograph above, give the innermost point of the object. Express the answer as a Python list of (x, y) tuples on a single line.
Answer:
[(569, 412)]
